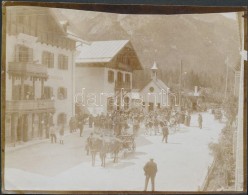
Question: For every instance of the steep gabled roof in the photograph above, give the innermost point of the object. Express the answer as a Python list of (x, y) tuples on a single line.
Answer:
[(100, 51)]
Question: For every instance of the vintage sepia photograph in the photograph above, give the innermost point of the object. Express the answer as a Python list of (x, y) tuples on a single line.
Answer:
[(98, 101)]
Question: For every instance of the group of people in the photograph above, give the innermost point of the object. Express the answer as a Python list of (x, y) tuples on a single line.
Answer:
[(57, 132)]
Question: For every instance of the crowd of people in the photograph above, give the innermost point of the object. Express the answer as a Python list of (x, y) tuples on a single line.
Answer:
[(121, 122)]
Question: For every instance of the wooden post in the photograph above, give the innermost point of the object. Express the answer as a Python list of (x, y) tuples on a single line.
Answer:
[(33, 88), (42, 87), (22, 88), (13, 85)]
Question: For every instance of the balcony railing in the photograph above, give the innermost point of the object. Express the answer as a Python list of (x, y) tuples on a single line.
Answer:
[(30, 105), (122, 85), (27, 69)]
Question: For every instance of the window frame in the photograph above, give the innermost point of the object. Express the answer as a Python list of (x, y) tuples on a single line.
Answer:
[(64, 94), (50, 56), (63, 62), (111, 76)]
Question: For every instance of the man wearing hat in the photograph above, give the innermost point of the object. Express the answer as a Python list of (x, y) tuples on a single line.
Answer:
[(165, 131), (150, 172)]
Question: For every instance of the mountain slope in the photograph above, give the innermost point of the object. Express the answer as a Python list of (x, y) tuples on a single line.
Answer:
[(202, 42)]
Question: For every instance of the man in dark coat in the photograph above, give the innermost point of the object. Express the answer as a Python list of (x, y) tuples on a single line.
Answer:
[(81, 126), (90, 121), (150, 172), (165, 131)]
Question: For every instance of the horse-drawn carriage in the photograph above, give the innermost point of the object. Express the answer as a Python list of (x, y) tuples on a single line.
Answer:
[(112, 145), (128, 143)]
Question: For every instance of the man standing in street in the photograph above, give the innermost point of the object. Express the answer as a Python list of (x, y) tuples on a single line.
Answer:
[(150, 172), (165, 131), (53, 133), (200, 120)]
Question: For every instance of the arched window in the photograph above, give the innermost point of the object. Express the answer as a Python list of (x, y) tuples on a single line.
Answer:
[(111, 76)]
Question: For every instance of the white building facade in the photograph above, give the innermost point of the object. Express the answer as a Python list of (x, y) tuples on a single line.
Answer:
[(104, 75), (155, 94), (39, 74)]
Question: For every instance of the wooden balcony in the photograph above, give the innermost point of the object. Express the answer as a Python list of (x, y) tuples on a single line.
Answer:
[(27, 69), (28, 106)]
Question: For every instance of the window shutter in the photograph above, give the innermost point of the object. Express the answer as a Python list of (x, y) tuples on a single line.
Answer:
[(52, 60), (66, 62), (43, 58), (58, 94), (30, 54), (50, 92), (17, 51), (59, 61)]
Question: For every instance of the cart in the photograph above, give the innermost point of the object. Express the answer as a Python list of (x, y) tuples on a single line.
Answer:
[(128, 143)]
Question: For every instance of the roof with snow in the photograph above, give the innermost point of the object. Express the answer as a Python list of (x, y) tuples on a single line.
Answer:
[(100, 51)]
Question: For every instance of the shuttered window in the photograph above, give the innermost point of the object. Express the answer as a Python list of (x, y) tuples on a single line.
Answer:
[(48, 59), (62, 93), (48, 92), (110, 76), (23, 54), (63, 62)]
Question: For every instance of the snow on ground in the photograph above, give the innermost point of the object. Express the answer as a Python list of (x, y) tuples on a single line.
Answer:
[(182, 163)]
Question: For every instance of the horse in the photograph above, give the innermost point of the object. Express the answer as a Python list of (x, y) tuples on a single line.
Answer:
[(114, 147), (95, 146), (101, 146)]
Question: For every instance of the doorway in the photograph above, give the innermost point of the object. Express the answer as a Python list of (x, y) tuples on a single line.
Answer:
[(22, 128), (151, 106)]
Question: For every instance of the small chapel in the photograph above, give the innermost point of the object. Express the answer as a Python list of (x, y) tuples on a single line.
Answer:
[(155, 94)]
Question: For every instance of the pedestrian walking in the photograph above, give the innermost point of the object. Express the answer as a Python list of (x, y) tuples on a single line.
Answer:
[(150, 172), (61, 134), (189, 119), (90, 121), (71, 124), (156, 125), (81, 126), (200, 120), (53, 133), (165, 131), (89, 144)]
